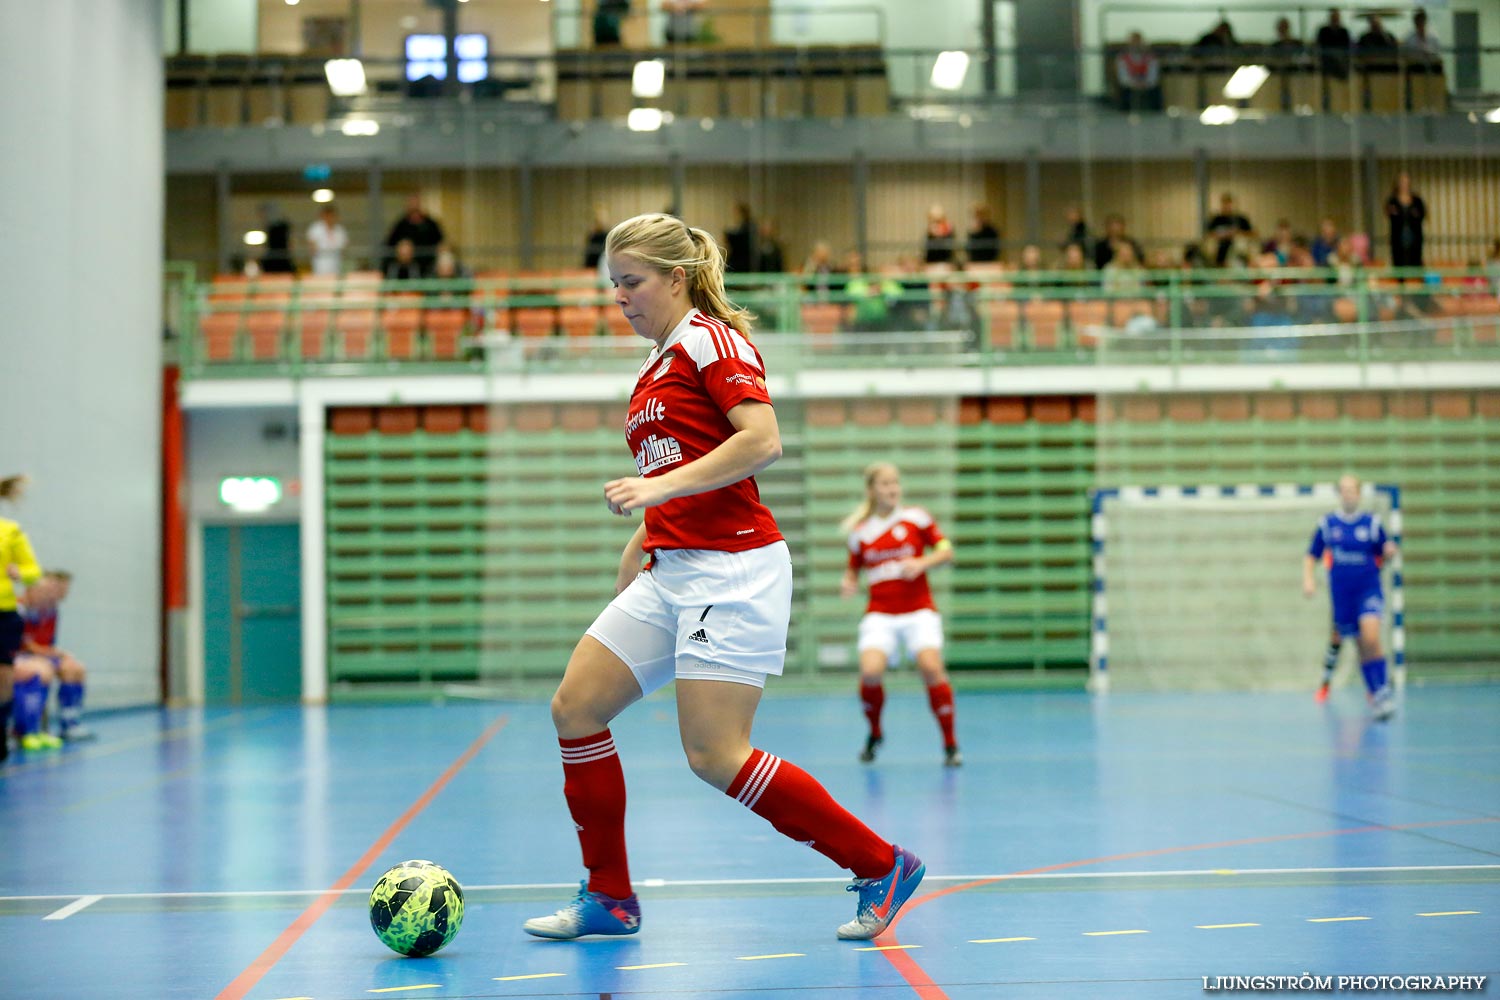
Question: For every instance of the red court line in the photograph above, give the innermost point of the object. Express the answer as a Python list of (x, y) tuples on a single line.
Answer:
[(916, 977), (246, 980)]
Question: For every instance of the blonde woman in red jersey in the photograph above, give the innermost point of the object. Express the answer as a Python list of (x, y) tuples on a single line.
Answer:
[(711, 607), (895, 546)]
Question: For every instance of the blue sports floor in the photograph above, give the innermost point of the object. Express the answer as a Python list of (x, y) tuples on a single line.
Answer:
[(1120, 847)]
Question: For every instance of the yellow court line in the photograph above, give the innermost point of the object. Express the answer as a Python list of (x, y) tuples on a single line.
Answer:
[(534, 975), (757, 958), (1111, 933), (890, 947), (1450, 913), (403, 989), (1000, 940), (656, 965), (1220, 927), (1332, 920)]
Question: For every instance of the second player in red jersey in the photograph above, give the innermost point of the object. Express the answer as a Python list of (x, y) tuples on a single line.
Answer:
[(894, 546)]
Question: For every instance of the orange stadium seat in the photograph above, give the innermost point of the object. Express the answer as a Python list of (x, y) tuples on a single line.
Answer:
[(822, 317), (1004, 316), (356, 331), (1044, 320), (533, 321), (401, 320), (445, 329), (219, 332)]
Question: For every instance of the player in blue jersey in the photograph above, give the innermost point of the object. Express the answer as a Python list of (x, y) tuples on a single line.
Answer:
[(1352, 543)]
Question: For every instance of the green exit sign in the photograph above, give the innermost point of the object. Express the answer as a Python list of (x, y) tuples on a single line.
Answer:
[(249, 494)]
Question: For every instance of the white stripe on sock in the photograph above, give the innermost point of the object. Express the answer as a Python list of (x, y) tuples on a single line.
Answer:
[(764, 782), (760, 767), (593, 751)]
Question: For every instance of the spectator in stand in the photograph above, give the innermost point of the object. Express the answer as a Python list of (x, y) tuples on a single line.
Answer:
[(1326, 242), (817, 269), (1029, 270), (593, 242), (424, 232), (1407, 212), (682, 20), (1114, 236), (769, 258), (1078, 230), (608, 15), (1225, 229), (403, 266), (1123, 275), (939, 244), (740, 241), (873, 297), (983, 245), (327, 239), (1138, 71), (1421, 45), (1376, 39), (1334, 45), (276, 258), (1221, 37), (958, 291), (1073, 258), (1280, 242), (1285, 44)]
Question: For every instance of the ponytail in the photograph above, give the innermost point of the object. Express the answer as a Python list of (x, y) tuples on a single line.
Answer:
[(11, 487), (706, 285)]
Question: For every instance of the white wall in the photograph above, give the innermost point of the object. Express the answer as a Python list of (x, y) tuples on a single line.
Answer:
[(248, 442), (80, 292), (222, 26)]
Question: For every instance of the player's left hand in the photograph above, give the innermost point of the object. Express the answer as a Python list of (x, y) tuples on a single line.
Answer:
[(632, 493), (911, 568)]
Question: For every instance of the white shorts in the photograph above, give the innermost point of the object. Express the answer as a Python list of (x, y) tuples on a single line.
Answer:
[(700, 614), (889, 634)]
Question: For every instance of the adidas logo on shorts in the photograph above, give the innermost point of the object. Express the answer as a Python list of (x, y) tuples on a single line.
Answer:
[(699, 636)]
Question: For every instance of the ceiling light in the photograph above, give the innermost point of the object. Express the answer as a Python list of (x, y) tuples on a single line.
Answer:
[(1219, 114), (346, 77), (949, 69), (255, 238), (1492, 115), (361, 126), (648, 78), (644, 119), (323, 195), (1245, 82)]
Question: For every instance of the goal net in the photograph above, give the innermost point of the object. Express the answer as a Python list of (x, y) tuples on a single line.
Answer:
[(1199, 588)]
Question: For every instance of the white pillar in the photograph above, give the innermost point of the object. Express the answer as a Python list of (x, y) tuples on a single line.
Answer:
[(80, 317)]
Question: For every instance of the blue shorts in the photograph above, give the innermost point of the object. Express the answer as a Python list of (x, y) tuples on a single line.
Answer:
[(1349, 608)]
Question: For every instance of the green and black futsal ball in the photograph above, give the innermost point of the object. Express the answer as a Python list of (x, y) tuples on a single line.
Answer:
[(416, 908)]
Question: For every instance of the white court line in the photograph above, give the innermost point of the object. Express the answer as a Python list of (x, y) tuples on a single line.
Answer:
[(731, 882), (78, 904)]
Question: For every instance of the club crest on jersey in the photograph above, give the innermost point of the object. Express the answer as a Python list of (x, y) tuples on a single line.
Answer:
[(666, 366), (898, 532)]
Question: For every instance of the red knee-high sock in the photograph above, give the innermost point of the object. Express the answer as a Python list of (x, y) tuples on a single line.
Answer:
[(794, 803), (872, 697), (594, 784), (940, 697)]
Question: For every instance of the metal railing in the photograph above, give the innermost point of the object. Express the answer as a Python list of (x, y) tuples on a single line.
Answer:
[(567, 322)]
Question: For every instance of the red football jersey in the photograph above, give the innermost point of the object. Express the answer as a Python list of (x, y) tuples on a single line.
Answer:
[(39, 626), (878, 544), (677, 414)]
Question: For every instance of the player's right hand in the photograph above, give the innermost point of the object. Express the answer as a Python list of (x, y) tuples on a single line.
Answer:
[(1309, 588)]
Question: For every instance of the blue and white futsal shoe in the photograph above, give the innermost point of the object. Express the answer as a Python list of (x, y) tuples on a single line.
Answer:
[(589, 913), (880, 899)]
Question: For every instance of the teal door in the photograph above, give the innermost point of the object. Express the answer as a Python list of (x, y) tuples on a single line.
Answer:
[(252, 613)]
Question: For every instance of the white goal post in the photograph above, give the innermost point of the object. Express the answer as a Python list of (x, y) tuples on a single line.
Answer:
[(1199, 587)]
